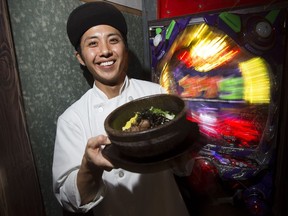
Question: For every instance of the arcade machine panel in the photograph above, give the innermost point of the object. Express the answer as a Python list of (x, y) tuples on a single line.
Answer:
[(227, 66), (174, 8)]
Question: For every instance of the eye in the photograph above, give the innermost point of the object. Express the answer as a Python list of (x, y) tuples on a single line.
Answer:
[(114, 40), (92, 43)]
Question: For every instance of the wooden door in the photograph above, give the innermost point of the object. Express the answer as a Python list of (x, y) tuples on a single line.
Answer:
[(19, 187)]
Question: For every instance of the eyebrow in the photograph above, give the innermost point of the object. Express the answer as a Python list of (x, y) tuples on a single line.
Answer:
[(96, 37)]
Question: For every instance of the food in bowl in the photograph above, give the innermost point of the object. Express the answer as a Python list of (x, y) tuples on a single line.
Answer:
[(151, 142), (148, 119)]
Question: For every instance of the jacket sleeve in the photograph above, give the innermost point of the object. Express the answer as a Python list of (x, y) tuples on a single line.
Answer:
[(69, 148)]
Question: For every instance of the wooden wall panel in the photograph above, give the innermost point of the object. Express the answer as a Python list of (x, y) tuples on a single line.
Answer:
[(19, 187)]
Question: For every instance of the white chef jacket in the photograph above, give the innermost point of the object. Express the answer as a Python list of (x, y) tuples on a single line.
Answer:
[(123, 193)]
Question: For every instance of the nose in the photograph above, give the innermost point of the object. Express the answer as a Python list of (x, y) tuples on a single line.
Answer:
[(105, 50)]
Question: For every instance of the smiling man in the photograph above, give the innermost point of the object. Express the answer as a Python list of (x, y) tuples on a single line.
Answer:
[(83, 178)]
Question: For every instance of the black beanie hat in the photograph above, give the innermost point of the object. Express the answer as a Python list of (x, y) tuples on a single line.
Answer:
[(92, 14)]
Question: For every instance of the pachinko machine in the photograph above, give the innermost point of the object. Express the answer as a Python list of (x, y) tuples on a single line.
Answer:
[(227, 66)]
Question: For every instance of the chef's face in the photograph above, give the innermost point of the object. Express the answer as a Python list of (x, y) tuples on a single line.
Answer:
[(104, 53)]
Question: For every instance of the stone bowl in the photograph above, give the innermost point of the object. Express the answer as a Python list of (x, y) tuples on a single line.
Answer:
[(151, 142)]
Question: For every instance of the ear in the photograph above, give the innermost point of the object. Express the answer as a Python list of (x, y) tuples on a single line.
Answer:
[(79, 58)]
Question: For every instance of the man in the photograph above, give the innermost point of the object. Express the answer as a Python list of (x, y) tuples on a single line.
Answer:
[(82, 177)]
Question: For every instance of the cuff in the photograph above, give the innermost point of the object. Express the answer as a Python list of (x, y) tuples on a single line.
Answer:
[(73, 195)]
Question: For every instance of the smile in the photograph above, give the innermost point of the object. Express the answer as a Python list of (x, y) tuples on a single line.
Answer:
[(108, 63)]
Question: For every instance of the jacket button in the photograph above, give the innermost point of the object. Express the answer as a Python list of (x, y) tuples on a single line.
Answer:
[(121, 173)]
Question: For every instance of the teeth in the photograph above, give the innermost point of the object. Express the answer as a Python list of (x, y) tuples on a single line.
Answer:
[(106, 63)]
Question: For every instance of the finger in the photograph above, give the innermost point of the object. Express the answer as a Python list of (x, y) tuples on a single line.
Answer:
[(106, 163), (96, 142), (108, 140)]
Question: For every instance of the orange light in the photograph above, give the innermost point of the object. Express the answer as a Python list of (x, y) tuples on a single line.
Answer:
[(207, 48)]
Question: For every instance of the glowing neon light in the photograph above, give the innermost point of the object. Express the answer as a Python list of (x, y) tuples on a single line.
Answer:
[(167, 80), (240, 130), (231, 129), (207, 49), (203, 48), (256, 80), (194, 87), (231, 88)]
